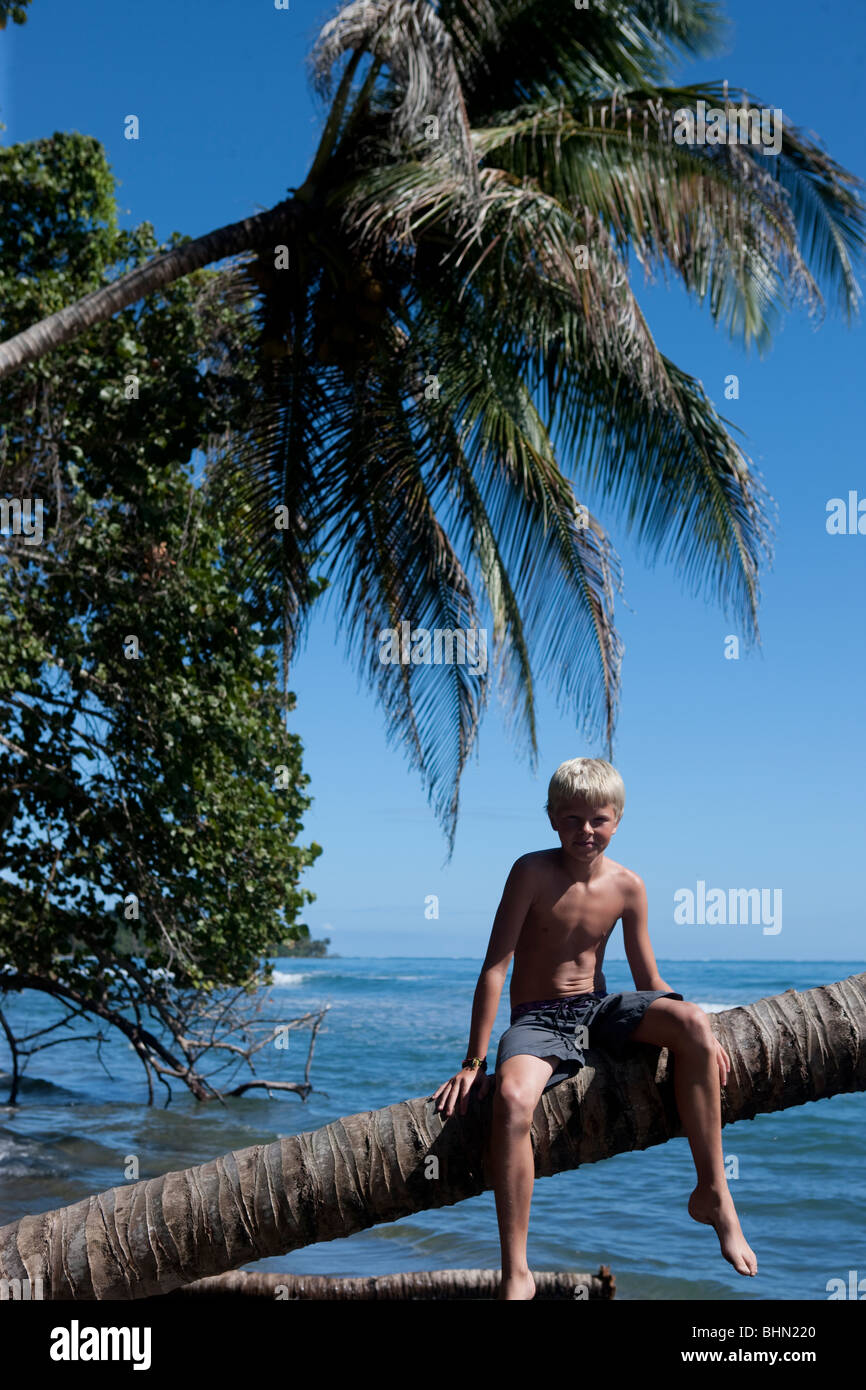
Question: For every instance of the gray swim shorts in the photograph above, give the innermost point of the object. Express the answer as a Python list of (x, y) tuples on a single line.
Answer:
[(564, 1027)]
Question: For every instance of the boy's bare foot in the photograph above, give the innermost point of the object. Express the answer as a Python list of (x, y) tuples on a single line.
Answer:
[(518, 1286), (716, 1209)]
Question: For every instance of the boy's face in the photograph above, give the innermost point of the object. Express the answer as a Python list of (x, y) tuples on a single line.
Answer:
[(584, 831)]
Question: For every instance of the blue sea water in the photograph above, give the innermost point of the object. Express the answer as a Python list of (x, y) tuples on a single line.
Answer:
[(397, 1028)]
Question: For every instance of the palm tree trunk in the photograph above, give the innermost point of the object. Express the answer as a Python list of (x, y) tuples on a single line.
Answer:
[(436, 1284), (250, 233), (363, 1170)]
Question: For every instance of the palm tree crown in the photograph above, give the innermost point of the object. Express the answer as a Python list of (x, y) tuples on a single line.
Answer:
[(450, 354)]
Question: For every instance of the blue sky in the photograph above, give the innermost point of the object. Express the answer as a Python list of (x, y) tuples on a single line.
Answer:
[(745, 773)]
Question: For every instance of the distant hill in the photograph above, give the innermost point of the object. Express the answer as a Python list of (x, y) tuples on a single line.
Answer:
[(302, 948)]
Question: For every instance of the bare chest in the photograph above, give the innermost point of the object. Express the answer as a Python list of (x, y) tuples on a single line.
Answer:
[(575, 914)]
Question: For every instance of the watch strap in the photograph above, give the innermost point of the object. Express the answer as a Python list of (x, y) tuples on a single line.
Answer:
[(476, 1063)]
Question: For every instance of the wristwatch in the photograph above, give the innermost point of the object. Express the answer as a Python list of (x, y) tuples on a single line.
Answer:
[(476, 1063)]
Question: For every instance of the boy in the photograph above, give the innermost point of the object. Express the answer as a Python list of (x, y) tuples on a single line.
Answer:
[(557, 913)]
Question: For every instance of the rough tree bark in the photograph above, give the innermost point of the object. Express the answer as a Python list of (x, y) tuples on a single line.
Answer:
[(360, 1171)]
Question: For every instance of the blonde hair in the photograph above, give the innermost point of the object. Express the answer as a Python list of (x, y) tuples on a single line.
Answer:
[(591, 779)]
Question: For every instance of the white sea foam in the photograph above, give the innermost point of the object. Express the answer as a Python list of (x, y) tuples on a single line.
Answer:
[(714, 1008), (287, 977), (393, 977)]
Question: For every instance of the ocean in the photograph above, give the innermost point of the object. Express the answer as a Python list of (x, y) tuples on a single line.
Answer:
[(397, 1028)]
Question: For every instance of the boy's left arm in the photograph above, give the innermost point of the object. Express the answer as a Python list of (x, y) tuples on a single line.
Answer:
[(635, 935), (639, 953)]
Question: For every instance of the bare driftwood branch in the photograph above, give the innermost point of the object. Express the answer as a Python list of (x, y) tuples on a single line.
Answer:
[(436, 1284), (196, 1030)]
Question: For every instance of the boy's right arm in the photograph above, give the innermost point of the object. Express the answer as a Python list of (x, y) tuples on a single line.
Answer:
[(507, 925)]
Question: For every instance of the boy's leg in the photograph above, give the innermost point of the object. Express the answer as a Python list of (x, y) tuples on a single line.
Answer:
[(684, 1029), (519, 1084)]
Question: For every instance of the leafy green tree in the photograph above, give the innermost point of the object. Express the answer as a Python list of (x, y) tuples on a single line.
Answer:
[(451, 357), (151, 797)]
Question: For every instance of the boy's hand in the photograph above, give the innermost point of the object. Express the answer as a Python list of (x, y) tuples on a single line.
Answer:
[(456, 1091), (724, 1062)]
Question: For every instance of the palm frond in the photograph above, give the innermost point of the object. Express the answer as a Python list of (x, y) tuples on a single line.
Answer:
[(392, 562), (729, 218), (516, 50), (410, 38), (574, 330), (264, 475), (552, 555)]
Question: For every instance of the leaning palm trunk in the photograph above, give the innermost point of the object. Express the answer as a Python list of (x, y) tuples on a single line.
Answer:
[(436, 1284), (377, 1166), (66, 324)]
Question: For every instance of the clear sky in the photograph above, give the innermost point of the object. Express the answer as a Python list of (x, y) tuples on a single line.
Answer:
[(739, 774)]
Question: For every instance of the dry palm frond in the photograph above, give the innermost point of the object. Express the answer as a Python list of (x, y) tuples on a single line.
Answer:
[(410, 38)]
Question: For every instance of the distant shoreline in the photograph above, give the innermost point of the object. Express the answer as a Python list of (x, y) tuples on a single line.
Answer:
[(298, 955), (308, 949)]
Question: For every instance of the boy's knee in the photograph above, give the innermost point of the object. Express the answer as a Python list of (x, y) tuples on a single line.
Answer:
[(515, 1100), (695, 1030)]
